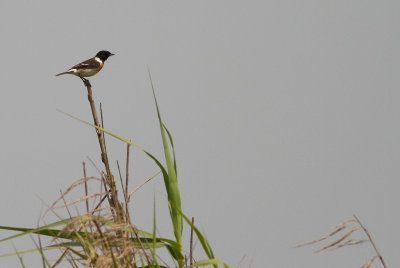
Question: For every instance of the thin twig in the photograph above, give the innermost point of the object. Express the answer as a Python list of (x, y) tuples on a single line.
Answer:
[(104, 183), (143, 183), (86, 187), (106, 244), (126, 197), (102, 120), (101, 201), (372, 242), (102, 126), (65, 203), (127, 177), (120, 178), (142, 247)]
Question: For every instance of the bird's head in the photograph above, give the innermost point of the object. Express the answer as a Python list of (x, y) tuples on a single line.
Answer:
[(104, 54)]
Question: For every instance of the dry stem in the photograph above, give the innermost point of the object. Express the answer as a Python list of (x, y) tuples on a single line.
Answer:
[(104, 157)]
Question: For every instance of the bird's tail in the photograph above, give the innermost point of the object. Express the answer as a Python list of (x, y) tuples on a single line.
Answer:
[(67, 72)]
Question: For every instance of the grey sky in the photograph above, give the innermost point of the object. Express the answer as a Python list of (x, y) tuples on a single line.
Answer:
[(285, 116)]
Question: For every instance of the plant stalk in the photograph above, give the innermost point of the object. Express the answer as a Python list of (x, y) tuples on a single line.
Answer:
[(104, 157)]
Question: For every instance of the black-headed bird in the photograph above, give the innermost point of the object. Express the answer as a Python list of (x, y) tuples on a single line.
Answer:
[(89, 67)]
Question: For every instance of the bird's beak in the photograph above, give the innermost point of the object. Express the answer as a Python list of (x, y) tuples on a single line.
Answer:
[(112, 54)]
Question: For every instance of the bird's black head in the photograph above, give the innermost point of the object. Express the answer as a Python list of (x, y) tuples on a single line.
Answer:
[(103, 55)]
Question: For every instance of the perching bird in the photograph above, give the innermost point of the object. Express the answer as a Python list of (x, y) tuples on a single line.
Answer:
[(89, 67)]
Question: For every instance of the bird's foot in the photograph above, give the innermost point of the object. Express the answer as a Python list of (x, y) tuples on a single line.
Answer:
[(86, 82)]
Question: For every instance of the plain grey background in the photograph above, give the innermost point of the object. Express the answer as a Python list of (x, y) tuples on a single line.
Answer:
[(284, 114)]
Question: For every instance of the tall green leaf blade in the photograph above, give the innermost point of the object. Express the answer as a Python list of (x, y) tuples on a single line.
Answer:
[(171, 184)]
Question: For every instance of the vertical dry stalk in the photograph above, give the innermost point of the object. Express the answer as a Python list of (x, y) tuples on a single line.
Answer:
[(127, 182), (104, 157), (86, 187)]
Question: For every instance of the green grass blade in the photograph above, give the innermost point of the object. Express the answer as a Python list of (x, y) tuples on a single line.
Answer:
[(172, 146), (171, 185), (175, 252), (44, 230), (27, 251), (203, 241), (104, 130), (21, 260), (47, 229), (209, 262), (45, 262), (153, 250), (61, 258)]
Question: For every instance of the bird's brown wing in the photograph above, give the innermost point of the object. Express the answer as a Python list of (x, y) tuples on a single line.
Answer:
[(91, 64)]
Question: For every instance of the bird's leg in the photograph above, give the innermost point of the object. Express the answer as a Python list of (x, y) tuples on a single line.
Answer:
[(85, 81)]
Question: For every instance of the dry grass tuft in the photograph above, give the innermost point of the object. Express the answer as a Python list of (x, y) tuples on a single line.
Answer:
[(341, 238), (101, 241)]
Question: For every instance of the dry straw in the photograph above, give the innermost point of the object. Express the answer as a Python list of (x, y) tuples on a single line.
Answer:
[(341, 236)]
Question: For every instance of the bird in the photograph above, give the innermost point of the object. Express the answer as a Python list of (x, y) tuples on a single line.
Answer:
[(89, 67)]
